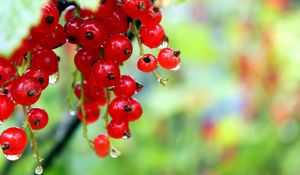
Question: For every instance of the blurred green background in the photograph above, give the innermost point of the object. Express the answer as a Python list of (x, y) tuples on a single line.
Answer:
[(232, 109)]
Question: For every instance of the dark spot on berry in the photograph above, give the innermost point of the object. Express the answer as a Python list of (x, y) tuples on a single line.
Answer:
[(71, 38), (41, 80), (127, 134), (127, 108), (5, 91), (111, 76), (146, 59), (129, 20), (141, 6), (36, 122), (176, 53), (49, 19), (0, 76), (94, 62), (31, 93), (127, 51), (5, 146), (89, 35), (103, 1), (155, 9)]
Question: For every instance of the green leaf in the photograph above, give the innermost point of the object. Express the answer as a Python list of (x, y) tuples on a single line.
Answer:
[(88, 4), (16, 19)]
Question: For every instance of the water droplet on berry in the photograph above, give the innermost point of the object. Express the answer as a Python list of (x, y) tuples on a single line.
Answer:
[(12, 157), (114, 153), (164, 43), (39, 170), (1, 122), (72, 113), (176, 68), (53, 79)]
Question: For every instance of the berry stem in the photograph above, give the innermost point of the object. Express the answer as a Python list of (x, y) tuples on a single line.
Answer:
[(85, 129), (34, 144), (71, 92), (135, 31), (107, 98)]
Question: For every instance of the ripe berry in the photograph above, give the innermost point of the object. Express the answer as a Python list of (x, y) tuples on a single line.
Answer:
[(92, 93), (104, 8), (72, 30), (92, 34), (85, 59), (152, 36), (49, 19), (7, 70), (152, 17), (135, 8), (106, 72), (6, 90), (169, 59), (46, 60), (13, 141), (102, 145), (38, 118), (91, 110), (126, 86), (147, 63), (26, 90), (117, 22), (70, 11), (125, 108), (118, 48), (118, 129), (7, 107), (41, 76)]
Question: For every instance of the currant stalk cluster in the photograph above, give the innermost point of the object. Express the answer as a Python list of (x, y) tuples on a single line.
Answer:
[(103, 46)]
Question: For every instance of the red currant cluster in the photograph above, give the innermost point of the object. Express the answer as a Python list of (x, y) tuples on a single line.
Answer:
[(103, 45)]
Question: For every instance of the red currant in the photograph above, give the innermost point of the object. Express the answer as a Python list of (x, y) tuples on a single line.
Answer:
[(147, 63), (135, 8), (72, 30), (152, 17), (7, 108), (118, 48), (118, 129), (169, 59), (117, 22), (85, 59), (126, 86), (41, 76), (13, 141), (7, 70), (152, 36), (38, 118), (102, 145), (91, 110), (26, 90), (46, 60), (106, 72)]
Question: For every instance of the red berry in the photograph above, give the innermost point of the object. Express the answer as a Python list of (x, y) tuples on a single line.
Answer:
[(92, 93), (7, 108), (91, 110), (49, 20), (104, 8), (6, 90), (118, 129), (46, 60), (152, 36), (92, 34), (72, 30), (41, 76), (106, 72), (126, 86), (152, 17), (135, 8), (69, 14), (85, 59), (147, 63), (102, 145), (117, 22), (169, 59), (118, 48), (7, 71), (13, 141), (125, 108), (38, 118), (26, 90)]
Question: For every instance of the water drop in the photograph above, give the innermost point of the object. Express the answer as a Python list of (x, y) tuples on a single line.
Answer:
[(114, 153), (13, 157), (164, 43), (1, 122), (39, 170), (176, 68), (72, 113), (53, 79)]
